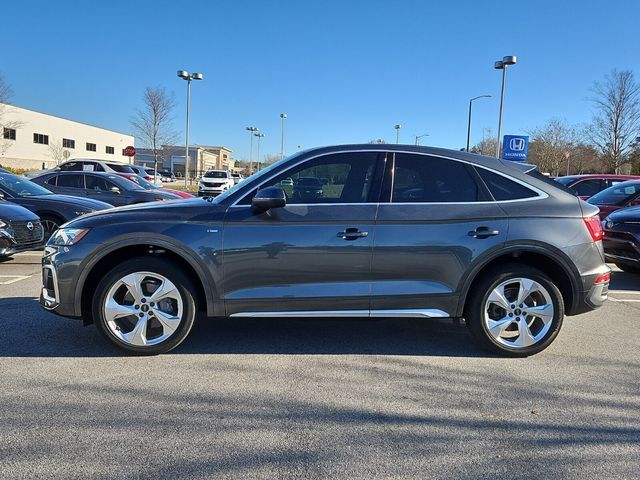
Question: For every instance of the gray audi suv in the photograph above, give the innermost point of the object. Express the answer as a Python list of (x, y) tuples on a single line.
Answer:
[(396, 231)]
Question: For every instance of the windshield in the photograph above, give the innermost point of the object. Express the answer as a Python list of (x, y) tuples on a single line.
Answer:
[(216, 174), (616, 195), (309, 182), (21, 187)]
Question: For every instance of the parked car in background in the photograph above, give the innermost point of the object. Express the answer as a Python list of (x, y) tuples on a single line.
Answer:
[(20, 229), (148, 174), (621, 240), (237, 178), (107, 187), (167, 176), (401, 231), (53, 210), (147, 185), (622, 195), (586, 186), (286, 182), (307, 189), (215, 182)]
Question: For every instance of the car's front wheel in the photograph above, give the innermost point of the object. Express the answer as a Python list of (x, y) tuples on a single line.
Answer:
[(515, 310), (145, 306)]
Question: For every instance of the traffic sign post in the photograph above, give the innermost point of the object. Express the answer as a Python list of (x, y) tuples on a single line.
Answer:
[(129, 152), (515, 147)]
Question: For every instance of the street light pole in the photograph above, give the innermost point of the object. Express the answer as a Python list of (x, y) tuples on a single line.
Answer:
[(251, 130), (469, 123), (183, 74), (502, 65), (397, 126), (282, 116), (418, 137), (260, 136)]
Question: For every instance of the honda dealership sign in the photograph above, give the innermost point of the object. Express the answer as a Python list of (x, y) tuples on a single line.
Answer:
[(515, 147)]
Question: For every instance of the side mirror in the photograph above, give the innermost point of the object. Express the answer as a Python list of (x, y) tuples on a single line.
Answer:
[(115, 190), (268, 198)]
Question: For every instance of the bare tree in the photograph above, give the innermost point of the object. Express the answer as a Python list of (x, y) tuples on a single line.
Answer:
[(57, 152), (552, 147), (486, 146), (152, 123), (5, 96), (616, 120)]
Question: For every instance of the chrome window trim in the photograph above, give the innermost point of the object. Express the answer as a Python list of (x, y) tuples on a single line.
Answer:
[(541, 195), (401, 313)]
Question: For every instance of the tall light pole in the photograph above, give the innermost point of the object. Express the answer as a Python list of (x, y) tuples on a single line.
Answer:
[(183, 74), (283, 116), (260, 136), (469, 124), (251, 130), (418, 137), (502, 65), (397, 126)]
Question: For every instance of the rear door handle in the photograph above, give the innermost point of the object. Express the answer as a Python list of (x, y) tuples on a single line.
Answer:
[(351, 234), (483, 232)]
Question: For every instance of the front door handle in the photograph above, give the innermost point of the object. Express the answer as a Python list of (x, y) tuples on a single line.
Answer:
[(351, 234), (483, 232)]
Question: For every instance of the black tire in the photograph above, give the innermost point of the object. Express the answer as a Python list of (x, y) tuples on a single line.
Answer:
[(485, 284), (50, 223), (628, 268), (165, 268)]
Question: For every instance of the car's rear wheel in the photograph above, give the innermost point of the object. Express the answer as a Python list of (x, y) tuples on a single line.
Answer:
[(515, 310), (144, 306), (628, 268)]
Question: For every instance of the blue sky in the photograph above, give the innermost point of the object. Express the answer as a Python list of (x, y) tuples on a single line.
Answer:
[(343, 71)]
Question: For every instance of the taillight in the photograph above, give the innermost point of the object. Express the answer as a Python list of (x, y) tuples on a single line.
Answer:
[(603, 278), (594, 226)]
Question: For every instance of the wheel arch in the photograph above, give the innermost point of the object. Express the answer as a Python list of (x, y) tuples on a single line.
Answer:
[(546, 258), (134, 247)]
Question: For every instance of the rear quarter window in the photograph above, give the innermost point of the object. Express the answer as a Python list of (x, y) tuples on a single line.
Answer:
[(503, 188)]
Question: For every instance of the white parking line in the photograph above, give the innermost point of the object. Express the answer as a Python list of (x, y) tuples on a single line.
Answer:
[(624, 300), (15, 278), (624, 292)]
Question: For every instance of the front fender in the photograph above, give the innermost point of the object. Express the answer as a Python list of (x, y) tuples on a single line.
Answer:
[(205, 275)]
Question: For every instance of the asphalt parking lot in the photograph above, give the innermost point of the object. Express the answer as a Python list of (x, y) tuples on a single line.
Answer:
[(316, 398)]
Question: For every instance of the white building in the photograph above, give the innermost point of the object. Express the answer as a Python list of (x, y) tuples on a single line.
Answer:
[(34, 140)]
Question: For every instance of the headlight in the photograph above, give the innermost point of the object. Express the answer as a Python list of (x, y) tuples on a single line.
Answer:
[(3, 224), (67, 236)]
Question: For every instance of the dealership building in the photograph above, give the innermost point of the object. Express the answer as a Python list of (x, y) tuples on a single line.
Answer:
[(35, 140), (201, 159)]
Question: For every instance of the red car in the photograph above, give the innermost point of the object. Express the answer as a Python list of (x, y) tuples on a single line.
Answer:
[(586, 186), (147, 185), (622, 195)]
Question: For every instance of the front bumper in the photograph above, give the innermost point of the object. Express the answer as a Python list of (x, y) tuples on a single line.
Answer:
[(621, 247), (8, 246), (210, 191)]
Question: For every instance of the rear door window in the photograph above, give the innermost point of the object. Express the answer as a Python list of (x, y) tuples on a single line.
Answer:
[(426, 179), (97, 183), (70, 181)]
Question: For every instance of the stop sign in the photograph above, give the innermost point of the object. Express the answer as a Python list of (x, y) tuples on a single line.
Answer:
[(129, 151)]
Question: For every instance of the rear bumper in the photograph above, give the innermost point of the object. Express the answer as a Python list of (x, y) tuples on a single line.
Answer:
[(594, 294)]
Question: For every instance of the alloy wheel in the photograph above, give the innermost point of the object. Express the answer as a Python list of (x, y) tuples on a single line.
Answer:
[(518, 313), (143, 309)]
